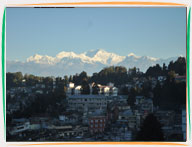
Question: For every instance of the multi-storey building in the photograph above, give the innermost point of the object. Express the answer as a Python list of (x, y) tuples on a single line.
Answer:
[(87, 102), (97, 122)]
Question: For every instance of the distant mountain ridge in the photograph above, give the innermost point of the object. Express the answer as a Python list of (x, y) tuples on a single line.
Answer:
[(70, 63)]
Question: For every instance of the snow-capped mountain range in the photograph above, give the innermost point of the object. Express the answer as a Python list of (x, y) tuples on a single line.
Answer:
[(70, 63)]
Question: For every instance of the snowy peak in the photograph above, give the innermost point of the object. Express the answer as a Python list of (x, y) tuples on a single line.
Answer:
[(92, 53), (104, 57), (142, 57), (36, 57), (132, 55), (152, 58), (91, 57), (41, 59), (66, 54), (69, 63), (149, 58)]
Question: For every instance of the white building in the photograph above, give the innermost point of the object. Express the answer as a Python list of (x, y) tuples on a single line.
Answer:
[(87, 102), (103, 90), (20, 128), (71, 85), (114, 91), (108, 90), (70, 88), (77, 90), (68, 119)]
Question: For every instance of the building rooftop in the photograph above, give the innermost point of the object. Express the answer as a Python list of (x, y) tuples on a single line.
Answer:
[(126, 113), (97, 113), (87, 96)]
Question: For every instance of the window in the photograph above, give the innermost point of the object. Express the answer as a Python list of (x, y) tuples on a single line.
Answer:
[(20, 128)]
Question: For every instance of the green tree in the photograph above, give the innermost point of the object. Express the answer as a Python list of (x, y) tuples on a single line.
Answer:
[(171, 75), (70, 78), (150, 130), (179, 66), (66, 80), (157, 94), (164, 69), (85, 87), (95, 89), (131, 97), (132, 71), (154, 71), (124, 91)]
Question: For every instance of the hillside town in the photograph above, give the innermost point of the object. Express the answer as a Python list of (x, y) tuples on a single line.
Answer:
[(113, 71), (60, 109)]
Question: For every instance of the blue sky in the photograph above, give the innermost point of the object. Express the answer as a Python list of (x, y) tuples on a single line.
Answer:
[(156, 32)]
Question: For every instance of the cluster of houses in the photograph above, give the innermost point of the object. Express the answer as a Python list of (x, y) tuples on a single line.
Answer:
[(92, 117), (106, 90), (103, 116)]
